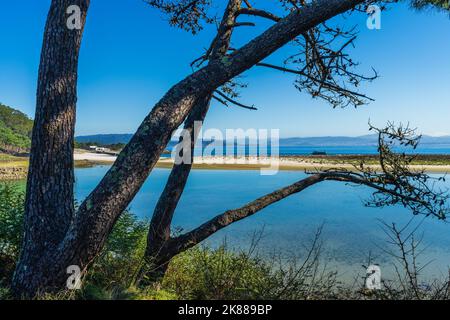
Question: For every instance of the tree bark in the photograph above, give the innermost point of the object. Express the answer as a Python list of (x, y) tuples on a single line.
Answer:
[(49, 206), (96, 216), (156, 258)]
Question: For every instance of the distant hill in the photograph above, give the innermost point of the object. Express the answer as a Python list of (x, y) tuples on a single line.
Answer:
[(338, 141), (15, 130), (105, 139), (110, 140), (367, 140)]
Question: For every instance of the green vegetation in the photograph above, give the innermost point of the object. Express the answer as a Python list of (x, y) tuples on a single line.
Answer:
[(12, 199), (420, 159), (7, 158), (429, 4), (12, 167), (205, 273), (15, 130)]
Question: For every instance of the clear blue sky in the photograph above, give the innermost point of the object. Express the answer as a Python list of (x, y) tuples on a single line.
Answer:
[(131, 57)]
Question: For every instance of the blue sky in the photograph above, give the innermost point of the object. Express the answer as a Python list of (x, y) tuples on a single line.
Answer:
[(130, 57)]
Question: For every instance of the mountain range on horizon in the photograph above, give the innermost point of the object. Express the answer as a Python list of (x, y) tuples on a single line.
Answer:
[(325, 141), (15, 133)]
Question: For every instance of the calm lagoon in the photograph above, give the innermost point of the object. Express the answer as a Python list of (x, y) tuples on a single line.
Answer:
[(350, 230)]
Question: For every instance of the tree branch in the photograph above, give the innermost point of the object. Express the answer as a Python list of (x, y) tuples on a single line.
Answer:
[(232, 101), (242, 24), (259, 13), (321, 81), (190, 239)]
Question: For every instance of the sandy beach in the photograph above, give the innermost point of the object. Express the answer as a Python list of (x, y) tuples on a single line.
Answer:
[(294, 163), (16, 168), (96, 157)]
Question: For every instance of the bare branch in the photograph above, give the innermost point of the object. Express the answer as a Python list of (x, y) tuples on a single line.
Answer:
[(185, 14), (233, 101), (259, 13), (242, 24), (323, 83)]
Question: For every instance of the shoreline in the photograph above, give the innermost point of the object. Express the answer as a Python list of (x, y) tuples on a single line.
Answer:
[(16, 168), (283, 163)]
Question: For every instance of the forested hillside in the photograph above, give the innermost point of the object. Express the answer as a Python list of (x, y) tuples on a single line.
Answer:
[(15, 130)]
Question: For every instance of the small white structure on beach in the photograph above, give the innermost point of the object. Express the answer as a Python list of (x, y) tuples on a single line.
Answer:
[(99, 149)]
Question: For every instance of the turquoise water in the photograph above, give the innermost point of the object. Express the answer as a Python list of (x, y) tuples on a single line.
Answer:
[(429, 149), (350, 232), (336, 150)]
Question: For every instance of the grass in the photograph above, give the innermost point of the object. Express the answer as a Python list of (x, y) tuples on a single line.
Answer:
[(9, 161), (90, 163)]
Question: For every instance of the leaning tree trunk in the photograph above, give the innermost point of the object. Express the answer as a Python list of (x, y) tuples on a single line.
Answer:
[(93, 222), (157, 255), (49, 206)]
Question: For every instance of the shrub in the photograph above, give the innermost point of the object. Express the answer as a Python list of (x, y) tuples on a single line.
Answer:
[(12, 199), (204, 273), (116, 267), (220, 273)]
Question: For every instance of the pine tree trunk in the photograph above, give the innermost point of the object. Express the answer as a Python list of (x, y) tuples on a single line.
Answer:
[(156, 256), (49, 206)]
